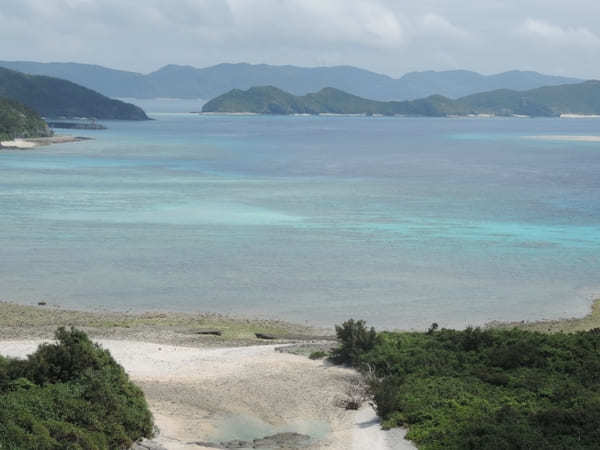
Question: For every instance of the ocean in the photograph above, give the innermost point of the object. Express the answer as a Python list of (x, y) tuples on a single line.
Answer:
[(398, 221)]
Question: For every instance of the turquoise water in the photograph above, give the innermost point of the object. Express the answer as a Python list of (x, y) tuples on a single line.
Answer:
[(402, 222)]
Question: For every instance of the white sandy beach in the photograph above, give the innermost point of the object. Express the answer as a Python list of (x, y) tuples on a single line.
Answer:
[(25, 144), (18, 143), (206, 394)]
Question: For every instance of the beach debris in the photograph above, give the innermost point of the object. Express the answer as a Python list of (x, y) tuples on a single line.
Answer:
[(357, 392)]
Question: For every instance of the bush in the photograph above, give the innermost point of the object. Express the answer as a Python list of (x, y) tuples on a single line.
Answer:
[(70, 395), (482, 389), (320, 354), (354, 339)]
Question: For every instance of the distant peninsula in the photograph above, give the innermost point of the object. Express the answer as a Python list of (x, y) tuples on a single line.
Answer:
[(18, 121), (57, 98), (552, 101)]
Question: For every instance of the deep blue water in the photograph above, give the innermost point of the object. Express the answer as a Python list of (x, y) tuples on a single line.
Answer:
[(399, 221)]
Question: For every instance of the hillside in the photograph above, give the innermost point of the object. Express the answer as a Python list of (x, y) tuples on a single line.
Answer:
[(53, 97), (581, 98), (174, 81), (18, 121)]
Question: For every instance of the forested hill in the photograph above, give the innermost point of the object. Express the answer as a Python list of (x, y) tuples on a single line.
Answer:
[(580, 98), (18, 121), (177, 81), (53, 97)]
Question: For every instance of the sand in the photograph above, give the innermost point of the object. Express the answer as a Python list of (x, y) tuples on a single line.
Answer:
[(196, 394), (579, 116), (24, 144)]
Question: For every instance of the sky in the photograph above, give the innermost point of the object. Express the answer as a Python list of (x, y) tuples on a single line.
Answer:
[(386, 36)]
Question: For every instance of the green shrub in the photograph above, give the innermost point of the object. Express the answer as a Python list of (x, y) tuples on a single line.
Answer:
[(483, 389), (354, 339), (318, 355), (70, 395)]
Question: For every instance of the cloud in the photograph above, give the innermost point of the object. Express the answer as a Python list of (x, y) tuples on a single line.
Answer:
[(439, 26), (564, 36), (360, 22), (390, 36)]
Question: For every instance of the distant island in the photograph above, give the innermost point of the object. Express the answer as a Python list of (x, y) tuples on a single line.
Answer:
[(187, 82), (56, 98), (18, 121), (551, 101)]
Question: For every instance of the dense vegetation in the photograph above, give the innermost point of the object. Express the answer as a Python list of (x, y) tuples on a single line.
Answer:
[(175, 81), (482, 389), (53, 97), (582, 98), (70, 395), (18, 121)]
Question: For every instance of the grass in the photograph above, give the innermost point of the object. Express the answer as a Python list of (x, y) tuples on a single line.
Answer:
[(590, 321), (22, 321)]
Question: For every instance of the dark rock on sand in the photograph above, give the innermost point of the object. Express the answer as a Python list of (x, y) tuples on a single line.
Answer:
[(283, 440), (210, 332), (269, 337), (276, 441), (147, 445)]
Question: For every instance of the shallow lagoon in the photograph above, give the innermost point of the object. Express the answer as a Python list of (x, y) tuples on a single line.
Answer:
[(313, 219)]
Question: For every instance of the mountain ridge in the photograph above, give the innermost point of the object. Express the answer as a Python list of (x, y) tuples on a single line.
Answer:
[(550, 101), (54, 97), (185, 81)]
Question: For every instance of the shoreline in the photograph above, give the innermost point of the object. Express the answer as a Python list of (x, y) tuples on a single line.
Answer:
[(31, 143), (27, 321), (208, 388), (212, 388), (21, 321)]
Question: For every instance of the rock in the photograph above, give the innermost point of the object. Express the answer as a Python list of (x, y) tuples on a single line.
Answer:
[(210, 332), (269, 337), (147, 445), (206, 444), (276, 441), (237, 444), (283, 441)]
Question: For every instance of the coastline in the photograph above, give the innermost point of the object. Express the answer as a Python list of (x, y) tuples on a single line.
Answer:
[(566, 325), (29, 143), (204, 388), (207, 388)]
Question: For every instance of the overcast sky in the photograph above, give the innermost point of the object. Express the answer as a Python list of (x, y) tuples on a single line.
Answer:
[(388, 36)]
